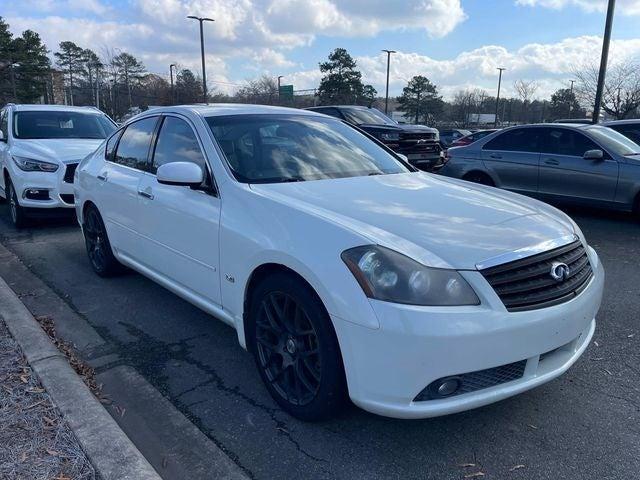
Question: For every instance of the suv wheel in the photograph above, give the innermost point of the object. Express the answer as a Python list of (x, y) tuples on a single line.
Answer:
[(295, 348), (17, 213), (101, 256)]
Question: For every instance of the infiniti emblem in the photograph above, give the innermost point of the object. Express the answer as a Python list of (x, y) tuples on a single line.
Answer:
[(560, 271)]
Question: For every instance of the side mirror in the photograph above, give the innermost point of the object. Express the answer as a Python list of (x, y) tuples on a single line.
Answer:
[(185, 174), (403, 157), (593, 155), (2, 139)]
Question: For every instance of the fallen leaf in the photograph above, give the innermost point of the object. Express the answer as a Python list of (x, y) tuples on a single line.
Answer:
[(474, 475), (24, 378), (53, 453), (49, 421), (608, 371), (23, 457), (596, 343), (516, 467), (533, 426), (631, 336), (465, 465)]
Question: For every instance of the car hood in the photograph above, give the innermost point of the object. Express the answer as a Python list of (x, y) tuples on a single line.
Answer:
[(438, 221), (399, 128), (417, 128), (62, 149)]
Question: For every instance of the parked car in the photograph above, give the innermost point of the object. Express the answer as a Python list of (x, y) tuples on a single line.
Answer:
[(447, 137), (40, 148), (345, 272), (581, 121), (580, 164), (418, 143), (472, 137), (628, 128)]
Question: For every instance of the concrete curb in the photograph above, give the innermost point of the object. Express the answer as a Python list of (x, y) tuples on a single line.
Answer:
[(109, 450)]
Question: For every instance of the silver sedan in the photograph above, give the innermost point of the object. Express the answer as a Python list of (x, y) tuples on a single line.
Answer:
[(565, 163)]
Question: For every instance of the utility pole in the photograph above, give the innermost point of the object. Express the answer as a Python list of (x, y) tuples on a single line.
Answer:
[(279, 78), (204, 73), (173, 93), (97, 87), (501, 69), (603, 60), (386, 97), (13, 81), (571, 96)]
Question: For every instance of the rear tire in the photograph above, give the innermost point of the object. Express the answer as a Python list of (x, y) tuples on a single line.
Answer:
[(16, 212), (295, 348), (101, 257), (480, 178)]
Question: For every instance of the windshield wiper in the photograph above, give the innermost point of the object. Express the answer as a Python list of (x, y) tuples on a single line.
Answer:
[(278, 180), (375, 173)]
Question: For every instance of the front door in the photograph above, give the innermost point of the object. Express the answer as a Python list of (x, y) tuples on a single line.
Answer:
[(180, 225), (566, 175)]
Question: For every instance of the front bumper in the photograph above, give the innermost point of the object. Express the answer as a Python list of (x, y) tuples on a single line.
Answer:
[(388, 367), (59, 191)]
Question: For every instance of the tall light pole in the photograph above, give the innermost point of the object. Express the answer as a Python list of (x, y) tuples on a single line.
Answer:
[(495, 121), (603, 60), (204, 73), (571, 96), (173, 93), (279, 78), (386, 97)]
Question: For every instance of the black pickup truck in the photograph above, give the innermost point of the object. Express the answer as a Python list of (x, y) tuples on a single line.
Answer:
[(418, 143)]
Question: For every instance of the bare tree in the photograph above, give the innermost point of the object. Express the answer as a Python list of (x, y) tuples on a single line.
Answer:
[(621, 96), (525, 89)]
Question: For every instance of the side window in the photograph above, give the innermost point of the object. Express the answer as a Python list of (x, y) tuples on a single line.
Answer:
[(110, 148), (631, 131), (517, 140), (4, 123), (562, 141), (133, 148), (177, 143)]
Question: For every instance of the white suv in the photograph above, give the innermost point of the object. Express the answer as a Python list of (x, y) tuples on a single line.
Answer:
[(344, 271), (40, 148)]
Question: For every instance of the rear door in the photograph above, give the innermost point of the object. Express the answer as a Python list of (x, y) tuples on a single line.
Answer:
[(117, 191), (566, 175), (179, 225), (512, 158)]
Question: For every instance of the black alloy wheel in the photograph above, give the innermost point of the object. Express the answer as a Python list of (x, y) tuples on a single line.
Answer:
[(287, 348), (98, 247), (18, 216), (296, 348)]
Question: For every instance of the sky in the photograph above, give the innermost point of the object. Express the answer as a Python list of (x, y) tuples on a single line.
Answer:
[(457, 44)]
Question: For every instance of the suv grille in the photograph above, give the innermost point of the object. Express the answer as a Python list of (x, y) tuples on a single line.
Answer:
[(527, 284), (69, 172)]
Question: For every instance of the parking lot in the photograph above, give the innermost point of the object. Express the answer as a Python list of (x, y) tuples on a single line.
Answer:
[(586, 424)]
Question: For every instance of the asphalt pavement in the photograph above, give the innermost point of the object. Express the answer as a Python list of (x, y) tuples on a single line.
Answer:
[(584, 425)]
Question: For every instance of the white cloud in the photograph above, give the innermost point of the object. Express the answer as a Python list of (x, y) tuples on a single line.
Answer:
[(627, 7)]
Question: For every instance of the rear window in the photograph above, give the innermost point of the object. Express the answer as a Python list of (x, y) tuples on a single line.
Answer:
[(60, 124)]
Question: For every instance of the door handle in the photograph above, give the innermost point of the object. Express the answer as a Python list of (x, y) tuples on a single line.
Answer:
[(551, 161), (102, 177), (145, 194), (495, 155)]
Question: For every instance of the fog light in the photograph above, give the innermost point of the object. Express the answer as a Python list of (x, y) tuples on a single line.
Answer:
[(448, 386), (36, 194)]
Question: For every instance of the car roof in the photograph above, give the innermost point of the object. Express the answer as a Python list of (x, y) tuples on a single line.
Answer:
[(355, 107), (220, 109), (621, 122), (53, 108)]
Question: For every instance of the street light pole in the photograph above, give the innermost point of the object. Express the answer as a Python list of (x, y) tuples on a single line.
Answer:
[(571, 96), (204, 73), (603, 60), (386, 97), (495, 120), (173, 93), (279, 78)]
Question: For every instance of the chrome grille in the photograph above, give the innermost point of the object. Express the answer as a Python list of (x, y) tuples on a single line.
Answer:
[(527, 284)]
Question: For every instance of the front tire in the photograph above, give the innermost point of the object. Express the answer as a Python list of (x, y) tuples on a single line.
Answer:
[(101, 257), (16, 212), (295, 348)]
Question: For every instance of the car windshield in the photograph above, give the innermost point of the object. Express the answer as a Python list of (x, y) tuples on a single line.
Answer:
[(613, 141), (285, 148), (60, 124), (369, 116)]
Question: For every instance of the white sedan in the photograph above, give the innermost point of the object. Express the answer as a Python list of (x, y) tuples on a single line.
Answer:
[(345, 273)]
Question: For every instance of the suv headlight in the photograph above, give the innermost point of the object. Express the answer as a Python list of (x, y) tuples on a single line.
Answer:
[(390, 276), (390, 137), (33, 165)]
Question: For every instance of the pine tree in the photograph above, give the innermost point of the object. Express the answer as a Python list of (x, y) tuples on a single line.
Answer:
[(70, 58), (420, 98), (341, 83)]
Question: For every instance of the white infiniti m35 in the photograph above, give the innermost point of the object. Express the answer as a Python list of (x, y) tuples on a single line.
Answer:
[(345, 273)]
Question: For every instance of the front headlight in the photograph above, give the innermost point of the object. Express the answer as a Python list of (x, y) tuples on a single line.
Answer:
[(390, 137), (33, 165), (390, 276)]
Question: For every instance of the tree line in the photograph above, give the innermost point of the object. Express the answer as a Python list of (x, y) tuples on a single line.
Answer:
[(119, 83)]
